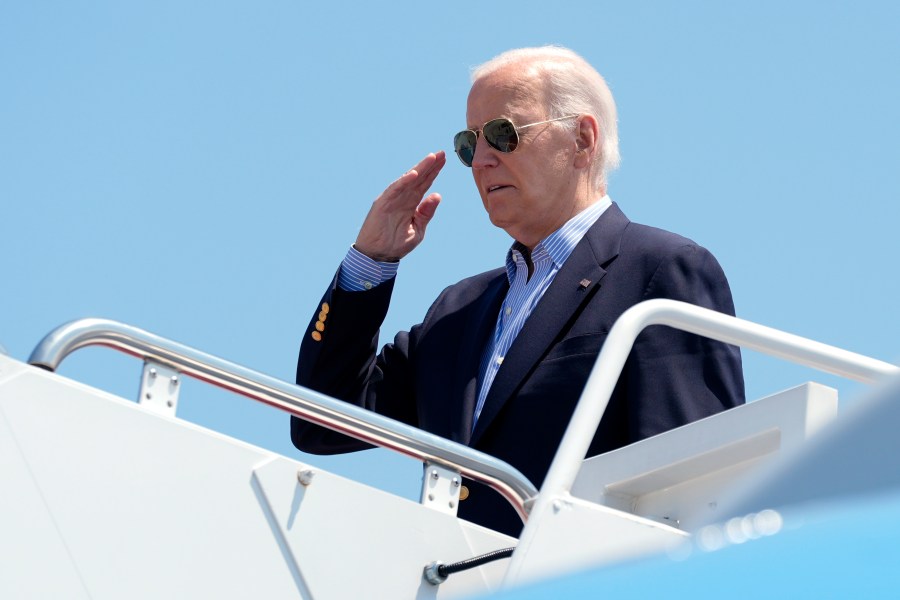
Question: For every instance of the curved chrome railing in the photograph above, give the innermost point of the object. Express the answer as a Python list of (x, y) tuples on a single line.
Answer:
[(687, 317), (702, 321), (302, 402)]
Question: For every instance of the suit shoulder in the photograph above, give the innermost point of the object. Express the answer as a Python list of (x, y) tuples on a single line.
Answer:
[(647, 237), (650, 248)]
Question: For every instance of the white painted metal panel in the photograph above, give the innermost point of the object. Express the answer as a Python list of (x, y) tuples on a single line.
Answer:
[(147, 506), (104, 498), (675, 478), (351, 541), (680, 476), (852, 461), (576, 535), (34, 561)]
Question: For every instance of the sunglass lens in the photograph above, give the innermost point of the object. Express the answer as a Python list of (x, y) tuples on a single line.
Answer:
[(501, 134), (464, 144)]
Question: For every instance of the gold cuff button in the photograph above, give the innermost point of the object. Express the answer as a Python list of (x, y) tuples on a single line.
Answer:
[(320, 326), (325, 308), (463, 493), (317, 336), (323, 315)]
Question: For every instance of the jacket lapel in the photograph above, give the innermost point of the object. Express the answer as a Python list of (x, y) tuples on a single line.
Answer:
[(560, 303), (479, 327)]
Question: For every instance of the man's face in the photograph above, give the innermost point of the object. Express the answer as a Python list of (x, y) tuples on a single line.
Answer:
[(530, 192)]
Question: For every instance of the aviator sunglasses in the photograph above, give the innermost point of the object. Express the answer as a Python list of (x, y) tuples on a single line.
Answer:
[(501, 134)]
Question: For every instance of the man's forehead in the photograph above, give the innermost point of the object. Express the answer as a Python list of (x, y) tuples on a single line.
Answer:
[(514, 80), (511, 94)]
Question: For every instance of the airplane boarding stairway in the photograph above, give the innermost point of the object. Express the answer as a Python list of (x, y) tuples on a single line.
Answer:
[(107, 498)]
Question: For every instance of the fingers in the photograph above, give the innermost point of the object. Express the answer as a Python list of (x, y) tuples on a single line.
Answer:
[(396, 222), (431, 165), (426, 209), (427, 175), (421, 176)]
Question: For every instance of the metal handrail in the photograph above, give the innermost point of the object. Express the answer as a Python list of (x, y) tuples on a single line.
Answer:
[(299, 401), (702, 321)]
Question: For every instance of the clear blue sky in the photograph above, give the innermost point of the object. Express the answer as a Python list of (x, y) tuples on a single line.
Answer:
[(198, 169)]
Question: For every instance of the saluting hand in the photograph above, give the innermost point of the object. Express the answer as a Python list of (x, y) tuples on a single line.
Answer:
[(397, 220)]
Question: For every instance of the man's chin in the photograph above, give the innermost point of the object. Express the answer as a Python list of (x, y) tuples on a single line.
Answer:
[(508, 226), (497, 219)]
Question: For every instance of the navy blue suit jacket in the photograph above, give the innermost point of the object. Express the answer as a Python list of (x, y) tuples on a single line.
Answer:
[(428, 377)]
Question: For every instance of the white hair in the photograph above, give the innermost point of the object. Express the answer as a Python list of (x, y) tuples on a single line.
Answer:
[(572, 86)]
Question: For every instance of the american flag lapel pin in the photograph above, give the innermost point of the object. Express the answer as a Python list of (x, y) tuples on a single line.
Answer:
[(584, 283)]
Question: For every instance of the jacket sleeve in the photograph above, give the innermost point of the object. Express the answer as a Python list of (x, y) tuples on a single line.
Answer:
[(338, 358), (673, 377)]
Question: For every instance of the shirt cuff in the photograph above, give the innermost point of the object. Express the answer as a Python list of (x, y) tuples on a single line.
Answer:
[(359, 272)]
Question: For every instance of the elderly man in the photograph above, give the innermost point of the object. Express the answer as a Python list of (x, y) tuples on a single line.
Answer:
[(500, 359)]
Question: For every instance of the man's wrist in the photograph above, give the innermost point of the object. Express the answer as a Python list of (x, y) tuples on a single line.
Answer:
[(360, 272), (375, 256)]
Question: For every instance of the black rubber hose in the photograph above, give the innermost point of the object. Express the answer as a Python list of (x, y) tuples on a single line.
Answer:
[(477, 561)]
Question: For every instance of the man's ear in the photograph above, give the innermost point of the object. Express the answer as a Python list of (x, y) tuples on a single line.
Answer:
[(587, 140)]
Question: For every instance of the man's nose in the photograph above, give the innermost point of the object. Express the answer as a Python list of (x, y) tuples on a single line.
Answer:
[(485, 155)]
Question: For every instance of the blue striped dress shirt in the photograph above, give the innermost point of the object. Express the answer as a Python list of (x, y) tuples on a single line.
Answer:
[(547, 257), (358, 272)]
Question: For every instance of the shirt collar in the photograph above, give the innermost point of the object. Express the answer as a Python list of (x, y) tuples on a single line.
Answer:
[(559, 244)]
